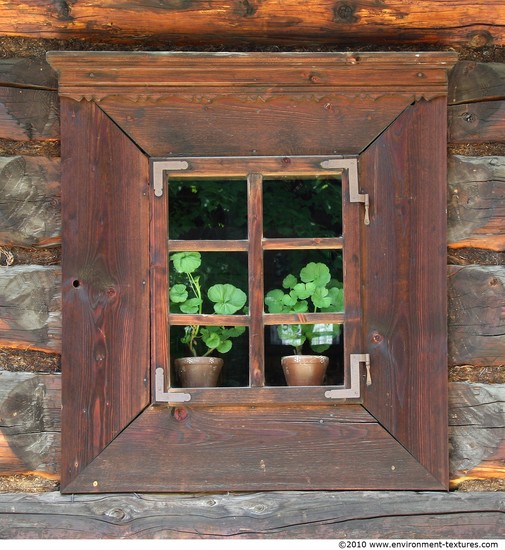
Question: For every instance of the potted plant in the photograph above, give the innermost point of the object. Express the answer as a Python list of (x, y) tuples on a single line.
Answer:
[(186, 295), (314, 290)]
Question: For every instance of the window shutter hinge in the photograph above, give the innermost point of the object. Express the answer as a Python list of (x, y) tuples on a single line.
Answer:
[(158, 169), (161, 396), (351, 165), (355, 389)]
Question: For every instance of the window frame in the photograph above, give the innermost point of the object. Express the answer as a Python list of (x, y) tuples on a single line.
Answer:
[(118, 110)]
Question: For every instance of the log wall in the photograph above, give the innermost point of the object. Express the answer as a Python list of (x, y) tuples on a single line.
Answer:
[(30, 228)]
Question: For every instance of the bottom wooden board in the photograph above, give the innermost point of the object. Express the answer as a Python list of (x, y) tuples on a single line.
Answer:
[(252, 449), (289, 515)]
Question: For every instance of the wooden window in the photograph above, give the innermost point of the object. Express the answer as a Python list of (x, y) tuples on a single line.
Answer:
[(133, 125)]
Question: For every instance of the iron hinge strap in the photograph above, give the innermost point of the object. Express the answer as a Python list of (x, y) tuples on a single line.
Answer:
[(161, 396), (355, 389), (159, 167), (354, 194)]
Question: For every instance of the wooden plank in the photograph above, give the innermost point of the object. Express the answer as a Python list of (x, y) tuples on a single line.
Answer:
[(404, 308), (30, 410), (476, 203), (470, 81), (248, 449), (27, 115), (477, 432), (105, 282), (476, 315), (235, 22), (269, 515), (477, 122), (30, 307), (27, 72), (30, 201)]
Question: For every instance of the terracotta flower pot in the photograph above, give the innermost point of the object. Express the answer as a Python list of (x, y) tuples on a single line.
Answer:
[(304, 370), (198, 372)]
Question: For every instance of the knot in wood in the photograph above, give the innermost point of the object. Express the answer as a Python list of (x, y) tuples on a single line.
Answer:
[(180, 414), (345, 12)]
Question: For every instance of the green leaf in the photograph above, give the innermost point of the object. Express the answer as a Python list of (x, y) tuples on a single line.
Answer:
[(304, 290), (225, 346), (301, 307), (178, 294), (318, 273), (289, 281), (289, 300), (211, 339), (320, 298), (228, 299), (191, 306), (233, 332), (186, 262), (273, 301)]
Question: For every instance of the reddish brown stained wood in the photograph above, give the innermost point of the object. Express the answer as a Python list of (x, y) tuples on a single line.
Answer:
[(278, 125), (198, 22), (30, 210), (476, 203), (105, 359), (256, 279), (28, 114), (209, 246), (477, 122), (30, 307), (404, 301), (250, 448), (476, 315), (351, 516)]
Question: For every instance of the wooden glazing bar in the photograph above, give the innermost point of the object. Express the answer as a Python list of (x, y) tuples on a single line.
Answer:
[(208, 246), (328, 243), (209, 320), (303, 318), (255, 264)]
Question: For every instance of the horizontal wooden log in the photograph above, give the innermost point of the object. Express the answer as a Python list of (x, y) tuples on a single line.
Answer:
[(30, 410), (476, 206), (477, 122), (27, 72), (477, 431), (27, 114), (30, 307), (273, 515), (237, 22), (470, 81), (30, 209), (30, 427), (476, 315)]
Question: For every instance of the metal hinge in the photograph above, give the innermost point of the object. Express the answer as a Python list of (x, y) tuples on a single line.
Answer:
[(354, 195), (161, 396), (355, 389), (158, 169)]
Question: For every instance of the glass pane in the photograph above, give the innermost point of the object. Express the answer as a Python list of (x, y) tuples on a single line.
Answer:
[(201, 209), (304, 281), (302, 207), (229, 367), (208, 282)]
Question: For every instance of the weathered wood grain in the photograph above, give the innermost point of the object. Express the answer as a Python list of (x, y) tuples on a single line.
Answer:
[(470, 81), (476, 202), (27, 72), (30, 209), (272, 515), (30, 307), (477, 122), (28, 114), (477, 431), (30, 427), (30, 410), (476, 315), (238, 22)]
